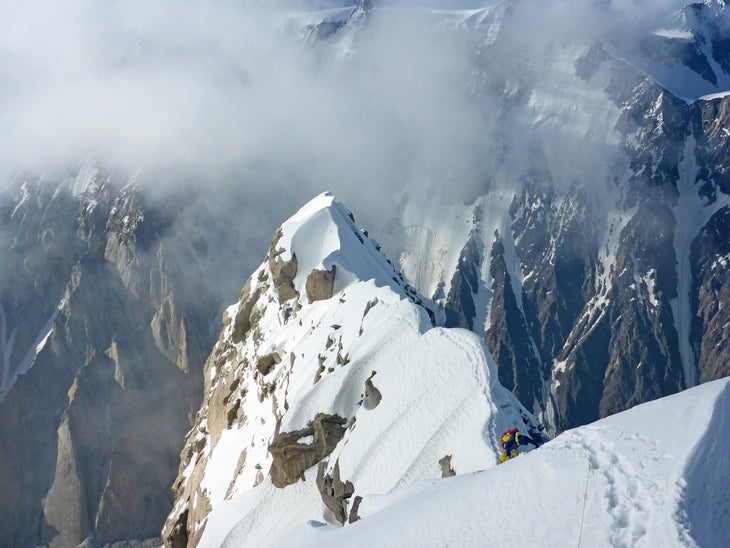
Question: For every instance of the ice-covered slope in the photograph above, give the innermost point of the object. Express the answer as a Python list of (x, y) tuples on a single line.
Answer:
[(329, 369), (655, 475)]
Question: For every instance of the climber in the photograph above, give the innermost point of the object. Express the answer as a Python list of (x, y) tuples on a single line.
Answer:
[(511, 441)]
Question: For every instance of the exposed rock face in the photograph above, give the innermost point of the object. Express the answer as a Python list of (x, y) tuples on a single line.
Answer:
[(607, 338), (102, 333), (282, 272), (320, 284), (710, 273), (177, 534), (628, 349), (266, 363), (295, 452), (519, 366), (460, 307), (335, 493), (356, 500)]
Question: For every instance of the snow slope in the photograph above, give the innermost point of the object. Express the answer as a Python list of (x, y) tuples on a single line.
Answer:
[(655, 475), (438, 388), (440, 397)]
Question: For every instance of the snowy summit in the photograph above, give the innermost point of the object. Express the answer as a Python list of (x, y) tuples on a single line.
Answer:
[(329, 387)]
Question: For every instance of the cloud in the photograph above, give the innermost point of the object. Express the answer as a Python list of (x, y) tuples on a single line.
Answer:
[(222, 92), (217, 90), (129, 82)]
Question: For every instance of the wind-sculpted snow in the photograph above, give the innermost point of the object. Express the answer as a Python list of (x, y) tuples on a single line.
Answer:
[(409, 394), (651, 476)]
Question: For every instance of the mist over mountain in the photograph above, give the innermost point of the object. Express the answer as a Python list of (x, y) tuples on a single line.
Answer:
[(224, 93), (551, 177)]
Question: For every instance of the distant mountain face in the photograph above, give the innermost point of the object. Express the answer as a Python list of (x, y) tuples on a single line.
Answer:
[(105, 322), (592, 257), (590, 253), (329, 383)]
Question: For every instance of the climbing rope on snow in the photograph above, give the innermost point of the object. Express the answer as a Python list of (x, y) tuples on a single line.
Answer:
[(585, 496)]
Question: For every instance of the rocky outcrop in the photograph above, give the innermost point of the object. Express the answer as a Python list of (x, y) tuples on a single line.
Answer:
[(373, 394), (447, 470), (246, 317), (266, 363), (295, 452), (177, 534), (282, 272), (320, 283), (336, 493)]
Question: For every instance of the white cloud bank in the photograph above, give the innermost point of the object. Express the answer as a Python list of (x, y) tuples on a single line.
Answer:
[(214, 88), (218, 91)]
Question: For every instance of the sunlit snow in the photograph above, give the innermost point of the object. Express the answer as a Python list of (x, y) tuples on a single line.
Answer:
[(655, 475)]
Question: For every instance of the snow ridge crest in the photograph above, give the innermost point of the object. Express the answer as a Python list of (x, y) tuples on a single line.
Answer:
[(329, 369)]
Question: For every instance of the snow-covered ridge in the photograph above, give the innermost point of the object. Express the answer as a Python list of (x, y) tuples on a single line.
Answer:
[(652, 476), (327, 332), (323, 234)]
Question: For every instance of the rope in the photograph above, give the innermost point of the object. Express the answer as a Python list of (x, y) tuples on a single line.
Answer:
[(585, 496)]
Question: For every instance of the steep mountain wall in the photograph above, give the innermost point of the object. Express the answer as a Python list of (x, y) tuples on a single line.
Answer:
[(105, 326)]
